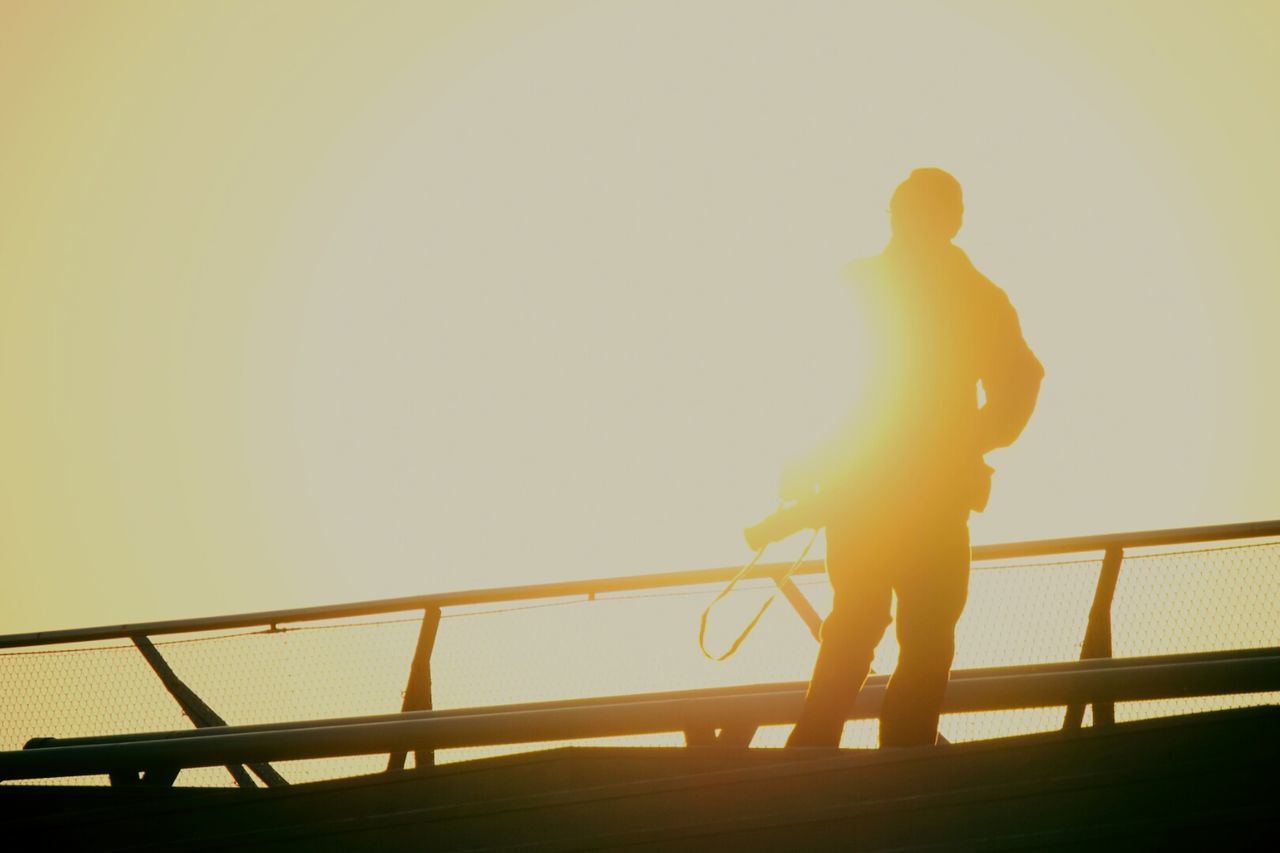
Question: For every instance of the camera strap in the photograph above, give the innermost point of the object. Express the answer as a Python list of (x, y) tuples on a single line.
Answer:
[(702, 626)]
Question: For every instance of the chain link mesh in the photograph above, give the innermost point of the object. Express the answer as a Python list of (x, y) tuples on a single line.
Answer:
[(1018, 613)]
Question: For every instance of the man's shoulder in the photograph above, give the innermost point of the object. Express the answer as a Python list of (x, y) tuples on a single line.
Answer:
[(988, 295)]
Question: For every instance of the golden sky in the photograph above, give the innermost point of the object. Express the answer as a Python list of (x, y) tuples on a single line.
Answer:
[(303, 302)]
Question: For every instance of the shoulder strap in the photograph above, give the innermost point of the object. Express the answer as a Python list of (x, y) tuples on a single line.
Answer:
[(702, 622)]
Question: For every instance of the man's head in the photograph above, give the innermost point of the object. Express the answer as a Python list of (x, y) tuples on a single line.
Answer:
[(927, 207)]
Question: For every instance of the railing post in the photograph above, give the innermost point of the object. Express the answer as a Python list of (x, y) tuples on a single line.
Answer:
[(1097, 638), (737, 734), (417, 690), (201, 716), (700, 735)]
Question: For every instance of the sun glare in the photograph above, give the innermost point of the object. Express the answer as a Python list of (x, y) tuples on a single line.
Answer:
[(556, 290)]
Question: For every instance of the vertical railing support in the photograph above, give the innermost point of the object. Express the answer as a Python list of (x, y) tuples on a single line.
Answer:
[(737, 734), (417, 690), (201, 716), (699, 736), (1097, 638)]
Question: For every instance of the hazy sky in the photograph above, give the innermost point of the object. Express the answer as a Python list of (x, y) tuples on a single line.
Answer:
[(303, 302)]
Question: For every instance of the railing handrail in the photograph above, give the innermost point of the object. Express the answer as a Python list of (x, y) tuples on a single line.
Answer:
[(590, 587), (1007, 687), (875, 682)]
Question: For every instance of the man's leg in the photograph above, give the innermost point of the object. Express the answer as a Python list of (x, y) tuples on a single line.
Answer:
[(859, 615), (932, 589)]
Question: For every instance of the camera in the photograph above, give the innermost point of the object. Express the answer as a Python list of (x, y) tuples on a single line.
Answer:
[(789, 518)]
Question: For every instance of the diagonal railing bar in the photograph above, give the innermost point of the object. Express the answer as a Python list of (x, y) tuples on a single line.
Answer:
[(1097, 638), (417, 691), (201, 716), (802, 606)]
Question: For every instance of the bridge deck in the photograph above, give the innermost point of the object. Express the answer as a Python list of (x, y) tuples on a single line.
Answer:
[(1201, 778)]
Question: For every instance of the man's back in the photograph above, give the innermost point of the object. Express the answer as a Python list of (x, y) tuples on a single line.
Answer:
[(936, 327)]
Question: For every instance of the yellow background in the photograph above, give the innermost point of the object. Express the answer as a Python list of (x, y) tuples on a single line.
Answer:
[(303, 302)]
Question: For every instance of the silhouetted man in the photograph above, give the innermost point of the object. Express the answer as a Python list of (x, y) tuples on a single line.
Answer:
[(898, 484)]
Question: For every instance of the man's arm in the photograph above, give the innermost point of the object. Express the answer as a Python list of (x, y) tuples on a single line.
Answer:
[(1011, 376)]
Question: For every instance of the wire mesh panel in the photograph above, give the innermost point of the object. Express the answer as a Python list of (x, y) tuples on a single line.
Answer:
[(613, 645), (348, 669), (81, 692), (625, 643), (1197, 600), (317, 671)]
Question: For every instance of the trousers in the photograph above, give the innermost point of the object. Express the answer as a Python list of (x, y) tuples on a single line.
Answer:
[(923, 558)]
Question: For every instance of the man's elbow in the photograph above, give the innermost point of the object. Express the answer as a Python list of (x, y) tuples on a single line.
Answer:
[(1034, 379), (1026, 380), (1010, 404)]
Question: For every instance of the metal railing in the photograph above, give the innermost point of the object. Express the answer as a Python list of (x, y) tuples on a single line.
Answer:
[(992, 689), (1090, 682)]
